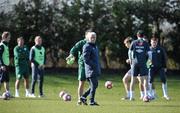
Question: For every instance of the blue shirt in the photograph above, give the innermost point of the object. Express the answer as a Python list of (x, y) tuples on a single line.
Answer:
[(140, 50), (159, 57)]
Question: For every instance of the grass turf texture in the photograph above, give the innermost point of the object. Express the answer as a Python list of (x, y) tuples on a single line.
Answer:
[(109, 99)]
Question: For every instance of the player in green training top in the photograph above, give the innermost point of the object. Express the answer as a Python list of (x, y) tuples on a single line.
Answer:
[(77, 50), (4, 60), (37, 58), (21, 61)]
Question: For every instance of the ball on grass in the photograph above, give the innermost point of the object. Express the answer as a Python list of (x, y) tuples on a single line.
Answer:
[(146, 99), (108, 84), (61, 94), (67, 97), (6, 95)]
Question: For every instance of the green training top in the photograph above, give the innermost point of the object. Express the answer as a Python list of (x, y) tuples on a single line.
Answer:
[(39, 55), (5, 54), (77, 49), (21, 56)]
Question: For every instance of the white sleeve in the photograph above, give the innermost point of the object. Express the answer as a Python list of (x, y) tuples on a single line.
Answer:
[(150, 55), (130, 54)]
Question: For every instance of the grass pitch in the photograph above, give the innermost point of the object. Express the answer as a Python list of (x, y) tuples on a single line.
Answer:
[(109, 99)]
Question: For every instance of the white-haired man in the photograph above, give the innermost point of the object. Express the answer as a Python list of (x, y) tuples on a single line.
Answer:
[(92, 68)]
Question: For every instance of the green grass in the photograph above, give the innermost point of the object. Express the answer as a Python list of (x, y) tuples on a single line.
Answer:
[(109, 99)]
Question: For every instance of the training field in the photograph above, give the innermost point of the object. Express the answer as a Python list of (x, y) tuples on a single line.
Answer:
[(109, 99)]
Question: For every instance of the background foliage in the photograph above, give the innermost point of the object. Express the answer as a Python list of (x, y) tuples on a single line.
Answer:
[(62, 23)]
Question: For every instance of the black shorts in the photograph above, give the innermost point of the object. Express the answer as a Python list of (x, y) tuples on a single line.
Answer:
[(141, 70), (4, 76), (157, 71)]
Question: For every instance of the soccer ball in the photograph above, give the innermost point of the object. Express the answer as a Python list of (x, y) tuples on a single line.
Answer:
[(146, 99), (67, 97), (6, 95), (108, 84), (61, 94)]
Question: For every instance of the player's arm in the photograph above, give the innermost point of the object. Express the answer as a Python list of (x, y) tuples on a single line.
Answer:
[(149, 53), (164, 58), (16, 56), (44, 57), (31, 57), (1, 52), (74, 50), (130, 53), (2, 66), (77, 47), (27, 52)]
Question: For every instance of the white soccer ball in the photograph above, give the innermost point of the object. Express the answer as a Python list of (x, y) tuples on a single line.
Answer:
[(146, 99), (108, 84), (61, 94), (67, 97), (6, 95)]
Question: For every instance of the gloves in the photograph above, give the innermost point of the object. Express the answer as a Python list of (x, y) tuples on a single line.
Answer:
[(70, 59)]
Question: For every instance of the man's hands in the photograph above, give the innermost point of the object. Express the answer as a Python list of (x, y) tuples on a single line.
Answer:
[(149, 63), (70, 59), (128, 61)]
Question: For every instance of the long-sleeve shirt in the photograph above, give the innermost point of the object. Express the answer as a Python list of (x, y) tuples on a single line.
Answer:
[(159, 57), (77, 50), (32, 55), (139, 52)]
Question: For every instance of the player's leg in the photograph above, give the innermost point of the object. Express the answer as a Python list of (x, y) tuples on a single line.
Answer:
[(1, 74), (17, 87), (149, 88), (86, 93), (164, 83), (125, 80), (6, 86), (144, 79), (152, 73), (135, 72), (17, 83), (41, 80), (0, 88), (141, 87), (132, 88), (145, 85), (82, 79), (80, 91), (93, 84), (25, 73), (26, 85), (34, 80), (6, 81)]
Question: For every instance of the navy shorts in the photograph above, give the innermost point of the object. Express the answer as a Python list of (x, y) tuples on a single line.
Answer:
[(140, 70), (157, 71), (4, 76)]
